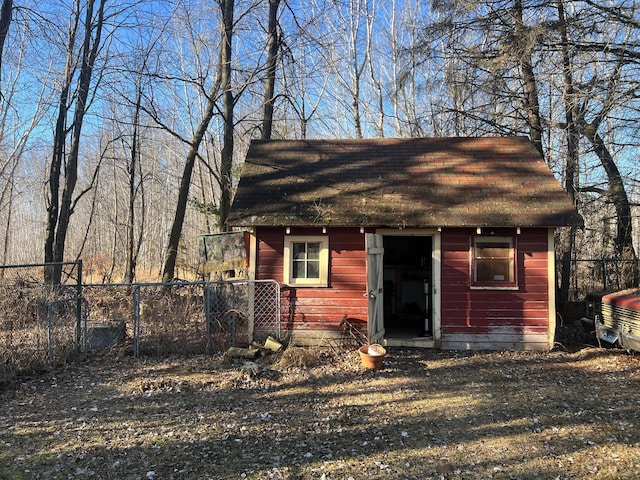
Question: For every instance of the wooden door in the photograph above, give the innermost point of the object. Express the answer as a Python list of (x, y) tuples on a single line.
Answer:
[(375, 270)]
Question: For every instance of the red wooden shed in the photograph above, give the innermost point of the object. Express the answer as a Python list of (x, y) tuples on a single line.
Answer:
[(443, 242)]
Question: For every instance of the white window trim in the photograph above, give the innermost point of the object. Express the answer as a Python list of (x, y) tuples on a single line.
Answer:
[(486, 285), (323, 281)]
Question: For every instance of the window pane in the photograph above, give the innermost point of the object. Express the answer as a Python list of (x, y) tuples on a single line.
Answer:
[(484, 249), (313, 251), (483, 270), (494, 260), (494, 270), (307, 260), (298, 269), (313, 269), (299, 251)]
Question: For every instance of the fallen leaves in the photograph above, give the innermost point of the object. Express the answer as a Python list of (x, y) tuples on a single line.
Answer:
[(319, 415)]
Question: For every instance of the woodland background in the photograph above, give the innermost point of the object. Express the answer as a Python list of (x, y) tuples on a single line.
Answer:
[(123, 123)]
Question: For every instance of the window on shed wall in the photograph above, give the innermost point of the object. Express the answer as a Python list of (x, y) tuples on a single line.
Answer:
[(306, 261), (494, 262)]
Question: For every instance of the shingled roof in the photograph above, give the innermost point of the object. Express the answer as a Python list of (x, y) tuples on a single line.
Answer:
[(438, 182)]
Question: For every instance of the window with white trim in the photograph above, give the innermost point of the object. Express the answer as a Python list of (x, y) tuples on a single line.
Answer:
[(494, 262), (306, 260)]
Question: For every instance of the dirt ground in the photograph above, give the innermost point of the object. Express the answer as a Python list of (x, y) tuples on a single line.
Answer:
[(316, 414)]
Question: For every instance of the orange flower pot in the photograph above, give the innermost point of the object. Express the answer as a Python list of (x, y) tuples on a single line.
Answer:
[(372, 356)]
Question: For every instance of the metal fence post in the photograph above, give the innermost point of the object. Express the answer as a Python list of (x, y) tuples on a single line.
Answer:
[(278, 311), (50, 334), (207, 315), (251, 309), (136, 321), (79, 307), (233, 315)]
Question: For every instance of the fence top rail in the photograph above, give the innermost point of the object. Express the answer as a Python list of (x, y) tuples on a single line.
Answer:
[(607, 259), (33, 265), (176, 284)]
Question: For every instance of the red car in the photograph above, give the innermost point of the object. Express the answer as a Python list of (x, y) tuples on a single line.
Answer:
[(615, 316)]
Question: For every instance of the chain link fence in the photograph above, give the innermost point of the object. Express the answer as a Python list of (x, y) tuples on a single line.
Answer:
[(185, 317), (39, 323), (599, 275), (43, 326)]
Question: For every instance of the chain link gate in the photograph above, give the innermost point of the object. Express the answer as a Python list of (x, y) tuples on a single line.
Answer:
[(170, 317), (241, 310)]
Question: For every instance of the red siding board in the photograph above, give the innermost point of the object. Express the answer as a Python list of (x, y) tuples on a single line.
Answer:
[(270, 250), (481, 311), (491, 296), (487, 329), (323, 307), (510, 315), (328, 303), (533, 288), (494, 320), (335, 293)]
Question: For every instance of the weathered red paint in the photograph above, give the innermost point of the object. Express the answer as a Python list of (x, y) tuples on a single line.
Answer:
[(490, 316), (467, 315), (319, 308)]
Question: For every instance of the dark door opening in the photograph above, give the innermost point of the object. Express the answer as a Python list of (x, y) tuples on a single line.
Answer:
[(407, 285)]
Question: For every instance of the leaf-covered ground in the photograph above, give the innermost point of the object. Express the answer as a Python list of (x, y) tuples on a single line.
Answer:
[(308, 414)]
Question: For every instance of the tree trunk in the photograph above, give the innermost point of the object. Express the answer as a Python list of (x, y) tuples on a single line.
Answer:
[(60, 209), (6, 11), (273, 43), (130, 268), (228, 103), (571, 165), (7, 226), (168, 270), (617, 195), (523, 53)]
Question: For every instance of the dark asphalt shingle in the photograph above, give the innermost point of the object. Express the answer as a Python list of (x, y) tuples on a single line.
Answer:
[(411, 183)]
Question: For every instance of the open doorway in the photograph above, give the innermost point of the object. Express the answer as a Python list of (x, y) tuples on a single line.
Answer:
[(408, 278)]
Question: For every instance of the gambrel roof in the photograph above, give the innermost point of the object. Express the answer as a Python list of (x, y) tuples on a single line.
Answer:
[(409, 183)]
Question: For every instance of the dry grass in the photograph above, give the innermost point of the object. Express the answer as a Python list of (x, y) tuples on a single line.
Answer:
[(301, 357), (38, 325), (317, 415)]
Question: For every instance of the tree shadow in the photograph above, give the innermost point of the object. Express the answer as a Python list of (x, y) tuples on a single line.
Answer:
[(426, 413)]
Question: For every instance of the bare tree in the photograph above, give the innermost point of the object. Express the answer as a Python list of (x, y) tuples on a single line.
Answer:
[(64, 164), (491, 49), (6, 10), (139, 71), (610, 91), (228, 105), (273, 46), (356, 60), (341, 39), (304, 78), (21, 112), (223, 81), (136, 184), (523, 45), (587, 56), (567, 246), (415, 108)]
